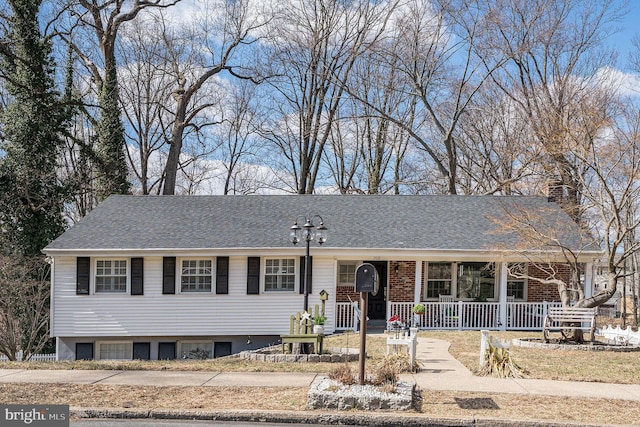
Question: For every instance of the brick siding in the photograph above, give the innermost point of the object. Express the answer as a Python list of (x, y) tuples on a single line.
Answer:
[(543, 292)]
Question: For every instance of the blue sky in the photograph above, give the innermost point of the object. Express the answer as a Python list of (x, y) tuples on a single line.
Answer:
[(630, 27)]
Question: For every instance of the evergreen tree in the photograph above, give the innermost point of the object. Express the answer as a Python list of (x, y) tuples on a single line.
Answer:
[(32, 198), (112, 165)]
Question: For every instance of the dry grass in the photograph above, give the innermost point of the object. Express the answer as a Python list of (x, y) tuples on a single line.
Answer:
[(434, 404), (137, 397), (613, 367), (565, 365), (598, 366)]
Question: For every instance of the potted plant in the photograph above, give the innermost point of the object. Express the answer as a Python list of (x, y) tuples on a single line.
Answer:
[(418, 309), (318, 323)]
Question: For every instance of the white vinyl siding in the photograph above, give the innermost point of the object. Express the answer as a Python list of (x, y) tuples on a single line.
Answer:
[(279, 274), (115, 351), (111, 275), (155, 314), (196, 275)]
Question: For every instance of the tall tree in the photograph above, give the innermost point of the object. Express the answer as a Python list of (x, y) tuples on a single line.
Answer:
[(102, 20), (314, 49), (145, 89), (33, 123), (212, 45), (554, 48)]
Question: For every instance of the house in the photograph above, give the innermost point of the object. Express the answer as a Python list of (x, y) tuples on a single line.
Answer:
[(154, 277)]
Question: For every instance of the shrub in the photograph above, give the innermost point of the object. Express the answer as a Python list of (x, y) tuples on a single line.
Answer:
[(343, 374), (498, 362)]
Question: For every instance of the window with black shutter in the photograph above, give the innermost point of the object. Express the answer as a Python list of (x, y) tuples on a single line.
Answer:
[(137, 276), (83, 272), (253, 275), (222, 275), (169, 275)]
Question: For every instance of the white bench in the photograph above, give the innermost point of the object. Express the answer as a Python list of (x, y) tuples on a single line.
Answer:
[(560, 319)]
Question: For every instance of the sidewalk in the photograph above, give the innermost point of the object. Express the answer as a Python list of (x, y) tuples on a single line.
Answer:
[(440, 371)]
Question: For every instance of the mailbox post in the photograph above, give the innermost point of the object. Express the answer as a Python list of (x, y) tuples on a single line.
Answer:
[(366, 281)]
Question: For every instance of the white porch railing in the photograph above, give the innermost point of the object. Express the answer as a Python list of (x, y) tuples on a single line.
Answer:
[(34, 357), (461, 315)]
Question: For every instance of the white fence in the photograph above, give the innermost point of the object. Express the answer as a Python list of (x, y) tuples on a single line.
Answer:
[(34, 357), (461, 315), (619, 335)]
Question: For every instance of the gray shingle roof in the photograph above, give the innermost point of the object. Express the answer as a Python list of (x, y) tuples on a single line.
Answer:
[(354, 221)]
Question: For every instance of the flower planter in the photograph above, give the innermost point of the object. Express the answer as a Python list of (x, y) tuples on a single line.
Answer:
[(318, 329)]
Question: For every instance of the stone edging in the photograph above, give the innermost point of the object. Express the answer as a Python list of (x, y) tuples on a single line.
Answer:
[(519, 342), (307, 417), (266, 355)]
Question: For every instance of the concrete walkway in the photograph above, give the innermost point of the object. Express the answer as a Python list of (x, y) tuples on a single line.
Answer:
[(440, 371)]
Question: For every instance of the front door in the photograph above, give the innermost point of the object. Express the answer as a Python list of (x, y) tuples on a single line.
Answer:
[(377, 307)]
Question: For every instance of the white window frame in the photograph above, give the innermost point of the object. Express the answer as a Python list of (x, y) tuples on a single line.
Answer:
[(525, 290), (189, 343), (94, 276), (496, 281), (105, 343), (347, 262), (296, 275), (196, 292), (452, 266)]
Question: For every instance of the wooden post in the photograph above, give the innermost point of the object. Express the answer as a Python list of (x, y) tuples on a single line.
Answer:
[(363, 333)]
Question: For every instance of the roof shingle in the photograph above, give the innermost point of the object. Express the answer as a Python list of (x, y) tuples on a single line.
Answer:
[(354, 221)]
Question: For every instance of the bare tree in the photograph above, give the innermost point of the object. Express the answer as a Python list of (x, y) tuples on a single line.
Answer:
[(101, 21), (610, 187), (367, 149), (554, 49), (495, 156), (239, 146), (433, 47), (146, 87), (24, 306), (315, 46), (206, 49)]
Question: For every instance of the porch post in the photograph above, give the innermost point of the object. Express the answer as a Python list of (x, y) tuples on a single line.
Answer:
[(588, 279), (418, 283), (503, 296)]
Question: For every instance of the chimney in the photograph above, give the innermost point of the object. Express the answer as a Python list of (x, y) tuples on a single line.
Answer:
[(555, 190)]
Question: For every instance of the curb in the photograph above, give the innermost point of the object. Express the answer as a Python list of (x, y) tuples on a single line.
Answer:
[(308, 417)]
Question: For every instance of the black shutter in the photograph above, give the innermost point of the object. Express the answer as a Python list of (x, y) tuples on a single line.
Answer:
[(169, 275), (253, 275), (83, 269), (137, 276), (141, 351), (302, 268), (222, 275)]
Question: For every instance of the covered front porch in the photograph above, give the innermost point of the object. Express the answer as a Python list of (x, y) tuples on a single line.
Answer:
[(457, 295), (459, 315)]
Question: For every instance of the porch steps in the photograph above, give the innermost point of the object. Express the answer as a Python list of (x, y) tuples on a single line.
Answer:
[(376, 326)]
